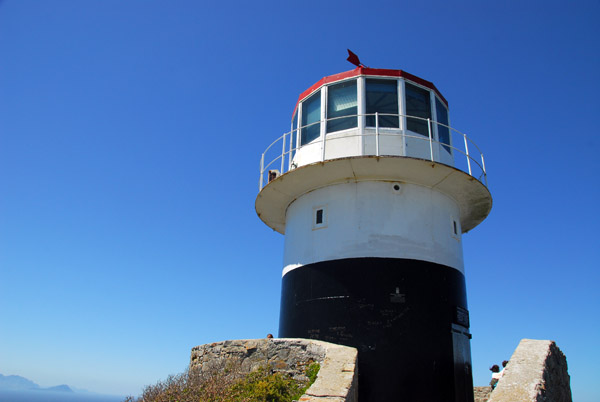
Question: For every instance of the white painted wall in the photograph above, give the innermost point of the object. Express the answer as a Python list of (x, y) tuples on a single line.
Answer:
[(392, 142), (372, 219)]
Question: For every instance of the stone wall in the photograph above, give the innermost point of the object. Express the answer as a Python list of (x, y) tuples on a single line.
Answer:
[(536, 372), (337, 380), (482, 394)]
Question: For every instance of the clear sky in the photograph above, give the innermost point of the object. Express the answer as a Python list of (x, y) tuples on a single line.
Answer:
[(130, 139)]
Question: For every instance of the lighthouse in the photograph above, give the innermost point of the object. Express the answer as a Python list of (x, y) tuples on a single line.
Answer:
[(373, 189)]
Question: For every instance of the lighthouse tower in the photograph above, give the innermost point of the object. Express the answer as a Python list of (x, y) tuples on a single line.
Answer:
[(373, 190)]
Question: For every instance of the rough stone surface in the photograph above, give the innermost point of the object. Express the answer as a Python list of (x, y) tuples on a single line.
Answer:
[(337, 378), (482, 394), (536, 372)]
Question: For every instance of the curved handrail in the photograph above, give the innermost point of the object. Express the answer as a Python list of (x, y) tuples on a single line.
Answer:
[(288, 150)]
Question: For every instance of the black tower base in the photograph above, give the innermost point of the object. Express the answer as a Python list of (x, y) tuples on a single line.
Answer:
[(407, 318)]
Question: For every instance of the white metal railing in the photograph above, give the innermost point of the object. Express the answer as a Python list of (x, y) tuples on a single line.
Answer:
[(473, 163)]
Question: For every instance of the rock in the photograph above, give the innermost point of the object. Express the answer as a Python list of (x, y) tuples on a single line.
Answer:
[(536, 372)]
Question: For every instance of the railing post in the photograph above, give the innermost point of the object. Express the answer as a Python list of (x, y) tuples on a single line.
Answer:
[(430, 139), (402, 121), (292, 133), (323, 136), (262, 166), (283, 154), (361, 132), (377, 133), (484, 172), (467, 152)]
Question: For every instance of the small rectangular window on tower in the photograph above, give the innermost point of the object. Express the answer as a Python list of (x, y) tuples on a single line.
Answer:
[(455, 228), (319, 217)]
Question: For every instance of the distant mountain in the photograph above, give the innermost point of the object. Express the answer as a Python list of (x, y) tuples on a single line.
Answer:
[(18, 383), (59, 388)]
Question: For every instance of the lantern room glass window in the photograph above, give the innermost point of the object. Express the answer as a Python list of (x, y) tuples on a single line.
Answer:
[(382, 97), (311, 119), (341, 101), (418, 104), (442, 117)]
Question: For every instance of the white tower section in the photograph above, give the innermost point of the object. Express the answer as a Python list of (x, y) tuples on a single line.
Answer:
[(402, 220)]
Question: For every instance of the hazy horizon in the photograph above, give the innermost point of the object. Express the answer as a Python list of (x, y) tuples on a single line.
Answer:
[(50, 396)]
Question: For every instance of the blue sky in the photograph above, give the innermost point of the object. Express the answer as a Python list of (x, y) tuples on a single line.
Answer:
[(130, 138)]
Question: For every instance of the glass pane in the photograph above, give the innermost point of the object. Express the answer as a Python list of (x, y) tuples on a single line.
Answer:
[(442, 117), (418, 104), (311, 118), (341, 101), (294, 132), (382, 97)]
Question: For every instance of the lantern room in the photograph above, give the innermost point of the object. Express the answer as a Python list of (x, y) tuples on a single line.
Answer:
[(369, 111)]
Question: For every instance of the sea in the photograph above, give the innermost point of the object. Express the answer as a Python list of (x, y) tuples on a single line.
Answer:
[(42, 396)]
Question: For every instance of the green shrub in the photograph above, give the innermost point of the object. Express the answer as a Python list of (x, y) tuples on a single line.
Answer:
[(260, 386), (312, 371), (228, 385)]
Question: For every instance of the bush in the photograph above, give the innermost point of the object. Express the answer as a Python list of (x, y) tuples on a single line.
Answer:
[(312, 371), (228, 385)]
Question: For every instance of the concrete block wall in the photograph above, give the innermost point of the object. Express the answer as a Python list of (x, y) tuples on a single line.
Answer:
[(337, 380)]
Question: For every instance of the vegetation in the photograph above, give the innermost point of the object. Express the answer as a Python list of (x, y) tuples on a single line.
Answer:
[(228, 385)]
